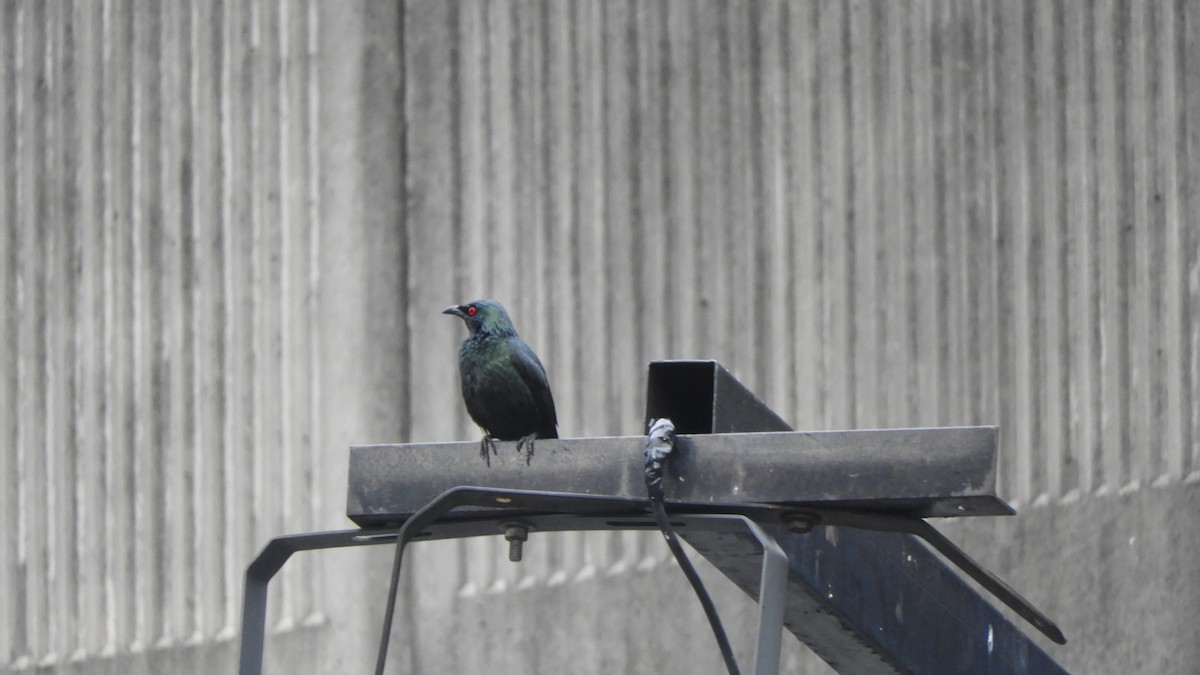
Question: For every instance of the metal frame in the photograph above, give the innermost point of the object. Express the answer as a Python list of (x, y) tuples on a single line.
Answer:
[(543, 511), (268, 563), (860, 586), (860, 590)]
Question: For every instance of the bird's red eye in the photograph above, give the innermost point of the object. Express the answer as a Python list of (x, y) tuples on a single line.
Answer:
[(471, 310)]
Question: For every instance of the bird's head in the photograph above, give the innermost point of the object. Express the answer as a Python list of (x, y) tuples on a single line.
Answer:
[(484, 317)]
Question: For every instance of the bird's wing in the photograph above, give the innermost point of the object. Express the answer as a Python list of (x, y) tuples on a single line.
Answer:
[(527, 364)]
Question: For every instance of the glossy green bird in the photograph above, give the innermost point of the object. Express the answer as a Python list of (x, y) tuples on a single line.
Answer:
[(504, 385)]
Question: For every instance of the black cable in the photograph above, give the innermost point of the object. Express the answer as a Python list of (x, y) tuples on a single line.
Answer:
[(658, 447)]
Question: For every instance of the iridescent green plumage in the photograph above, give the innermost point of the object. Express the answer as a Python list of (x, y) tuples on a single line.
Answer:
[(504, 385)]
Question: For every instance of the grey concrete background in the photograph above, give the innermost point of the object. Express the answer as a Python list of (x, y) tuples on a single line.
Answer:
[(228, 229)]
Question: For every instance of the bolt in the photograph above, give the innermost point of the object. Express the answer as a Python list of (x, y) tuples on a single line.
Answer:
[(516, 534)]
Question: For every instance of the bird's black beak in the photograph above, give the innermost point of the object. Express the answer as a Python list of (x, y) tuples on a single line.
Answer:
[(453, 309)]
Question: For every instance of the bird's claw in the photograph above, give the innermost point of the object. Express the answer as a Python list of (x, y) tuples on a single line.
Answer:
[(487, 448), (527, 443)]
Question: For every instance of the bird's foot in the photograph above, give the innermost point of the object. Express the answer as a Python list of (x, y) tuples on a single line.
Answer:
[(527, 443), (487, 448)]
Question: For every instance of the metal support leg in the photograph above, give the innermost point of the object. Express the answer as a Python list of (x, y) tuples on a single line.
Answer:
[(771, 593), (772, 587), (267, 565)]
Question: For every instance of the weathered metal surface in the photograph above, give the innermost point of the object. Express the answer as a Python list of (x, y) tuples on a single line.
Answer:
[(865, 602), (873, 602), (930, 472)]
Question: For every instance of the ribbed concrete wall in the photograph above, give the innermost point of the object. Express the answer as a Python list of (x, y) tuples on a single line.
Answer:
[(228, 229), (159, 276)]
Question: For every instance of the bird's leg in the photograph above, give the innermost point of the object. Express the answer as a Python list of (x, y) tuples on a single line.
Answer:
[(487, 448), (527, 443)]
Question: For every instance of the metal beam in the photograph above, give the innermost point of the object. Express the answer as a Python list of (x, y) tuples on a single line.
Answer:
[(865, 602), (929, 472)]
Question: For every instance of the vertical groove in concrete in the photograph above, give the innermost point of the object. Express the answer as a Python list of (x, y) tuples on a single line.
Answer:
[(144, 304)]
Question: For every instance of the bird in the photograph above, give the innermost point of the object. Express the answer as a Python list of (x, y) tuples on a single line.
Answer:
[(504, 384)]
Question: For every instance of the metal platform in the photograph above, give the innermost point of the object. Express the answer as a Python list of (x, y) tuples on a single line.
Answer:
[(847, 507), (928, 472)]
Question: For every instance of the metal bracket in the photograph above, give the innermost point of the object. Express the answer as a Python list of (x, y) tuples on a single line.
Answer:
[(268, 563), (773, 578), (562, 511)]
